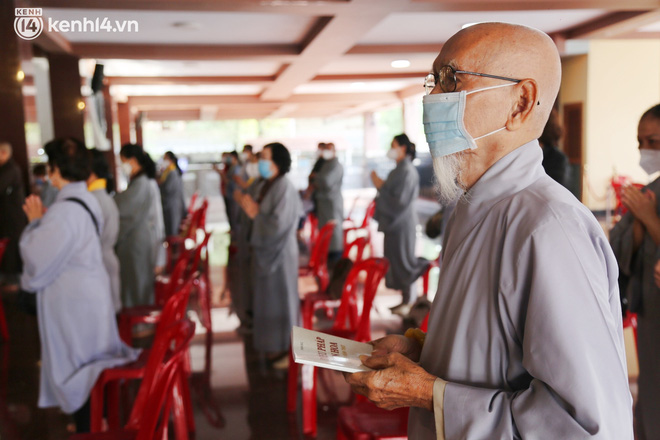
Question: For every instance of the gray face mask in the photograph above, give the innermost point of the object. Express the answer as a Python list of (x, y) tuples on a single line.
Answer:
[(444, 125), (649, 160)]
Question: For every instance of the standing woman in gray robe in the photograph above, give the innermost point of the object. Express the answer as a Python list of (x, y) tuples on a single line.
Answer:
[(397, 219), (329, 201), (98, 184), (275, 215), (137, 221), (171, 194), (636, 244), (63, 264)]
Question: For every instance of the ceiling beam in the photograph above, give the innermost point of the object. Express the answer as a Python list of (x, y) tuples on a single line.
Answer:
[(279, 52), (251, 100), (612, 25), (377, 49), (528, 5), (337, 36)]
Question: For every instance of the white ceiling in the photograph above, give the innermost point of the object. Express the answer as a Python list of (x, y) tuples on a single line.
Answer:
[(409, 28), (206, 27), (292, 46)]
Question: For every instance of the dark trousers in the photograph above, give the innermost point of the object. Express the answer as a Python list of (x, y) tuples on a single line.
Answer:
[(82, 418)]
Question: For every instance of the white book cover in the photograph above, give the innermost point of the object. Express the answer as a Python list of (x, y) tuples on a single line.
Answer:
[(326, 351)]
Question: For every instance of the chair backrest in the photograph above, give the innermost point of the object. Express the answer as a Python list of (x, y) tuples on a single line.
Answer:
[(193, 200), (369, 214), (162, 369), (3, 245), (313, 222), (360, 244), (201, 249), (176, 305), (197, 220), (321, 247), (375, 269), (202, 293)]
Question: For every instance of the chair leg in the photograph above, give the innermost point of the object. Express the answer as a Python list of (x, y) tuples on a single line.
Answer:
[(4, 332), (309, 399), (96, 407), (179, 410), (292, 384), (187, 402), (114, 421)]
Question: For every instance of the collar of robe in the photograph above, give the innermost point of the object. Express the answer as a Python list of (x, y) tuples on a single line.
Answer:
[(97, 184), (508, 176)]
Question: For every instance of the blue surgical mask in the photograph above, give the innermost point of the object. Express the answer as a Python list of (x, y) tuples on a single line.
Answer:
[(444, 124), (264, 169)]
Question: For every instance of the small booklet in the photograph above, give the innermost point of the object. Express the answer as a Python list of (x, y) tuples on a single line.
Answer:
[(326, 351)]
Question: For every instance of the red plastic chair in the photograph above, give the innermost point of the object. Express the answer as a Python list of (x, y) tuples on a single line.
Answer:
[(193, 200), (360, 244), (630, 320), (159, 391), (174, 310), (4, 331), (365, 421), (318, 261), (365, 226), (313, 224), (347, 325), (435, 264)]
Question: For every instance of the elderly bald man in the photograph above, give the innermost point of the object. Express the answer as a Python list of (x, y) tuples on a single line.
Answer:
[(525, 336)]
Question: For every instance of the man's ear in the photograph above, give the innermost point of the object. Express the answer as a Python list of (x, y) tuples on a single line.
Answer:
[(528, 98)]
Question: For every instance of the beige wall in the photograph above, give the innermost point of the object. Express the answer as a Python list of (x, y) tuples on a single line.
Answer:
[(623, 80)]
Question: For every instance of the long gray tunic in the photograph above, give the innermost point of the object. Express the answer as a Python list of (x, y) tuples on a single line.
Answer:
[(275, 266), (77, 327), (135, 242), (241, 283), (110, 215), (157, 225), (397, 219), (639, 267), (329, 200), (526, 326), (171, 193)]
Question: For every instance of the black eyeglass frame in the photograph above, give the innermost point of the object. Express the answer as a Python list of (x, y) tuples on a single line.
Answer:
[(443, 73)]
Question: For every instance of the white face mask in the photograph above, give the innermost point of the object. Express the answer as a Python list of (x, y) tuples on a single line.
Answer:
[(127, 169), (252, 170), (328, 154), (393, 154), (649, 160), (244, 156)]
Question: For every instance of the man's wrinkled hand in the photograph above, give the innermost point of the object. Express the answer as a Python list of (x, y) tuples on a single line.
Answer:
[(395, 382), (408, 347)]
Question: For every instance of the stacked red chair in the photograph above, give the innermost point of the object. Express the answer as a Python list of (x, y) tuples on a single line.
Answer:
[(347, 325), (174, 310), (318, 261), (364, 227), (159, 391)]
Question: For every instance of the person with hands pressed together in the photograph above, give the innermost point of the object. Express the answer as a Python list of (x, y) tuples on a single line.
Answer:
[(525, 335), (274, 253), (635, 240)]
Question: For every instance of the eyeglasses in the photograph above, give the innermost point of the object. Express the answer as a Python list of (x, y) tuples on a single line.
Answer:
[(447, 78)]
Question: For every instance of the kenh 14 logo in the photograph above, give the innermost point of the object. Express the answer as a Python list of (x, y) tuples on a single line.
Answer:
[(28, 23)]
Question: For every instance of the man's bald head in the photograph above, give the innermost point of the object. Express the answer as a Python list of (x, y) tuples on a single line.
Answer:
[(513, 51)]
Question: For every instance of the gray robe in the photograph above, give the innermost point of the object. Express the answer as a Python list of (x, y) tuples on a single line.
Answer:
[(174, 207), (135, 242), (239, 267), (110, 215), (329, 200), (639, 266), (275, 266), (526, 325), (157, 225), (77, 327), (397, 219)]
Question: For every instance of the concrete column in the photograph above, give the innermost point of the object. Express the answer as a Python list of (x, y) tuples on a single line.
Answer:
[(68, 117), (124, 119)]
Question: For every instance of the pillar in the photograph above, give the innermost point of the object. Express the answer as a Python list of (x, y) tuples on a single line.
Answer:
[(138, 129), (124, 120), (68, 118), (12, 122)]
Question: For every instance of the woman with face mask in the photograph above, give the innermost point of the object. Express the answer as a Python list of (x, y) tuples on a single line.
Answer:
[(636, 243), (62, 251), (274, 252), (171, 194), (397, 219), (141, 227)]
